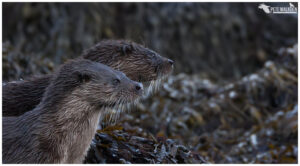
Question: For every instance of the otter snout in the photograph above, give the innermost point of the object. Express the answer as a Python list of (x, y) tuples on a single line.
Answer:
[(171, 62), (167, 66)]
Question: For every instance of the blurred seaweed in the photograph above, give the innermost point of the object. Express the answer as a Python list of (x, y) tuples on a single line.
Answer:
[(233, 95)]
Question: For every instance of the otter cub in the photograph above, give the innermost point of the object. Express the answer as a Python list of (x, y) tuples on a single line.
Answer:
[(137, 62), (61, 127)]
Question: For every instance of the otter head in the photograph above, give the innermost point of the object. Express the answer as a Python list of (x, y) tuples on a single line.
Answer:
[(137, 62), (95, 84)]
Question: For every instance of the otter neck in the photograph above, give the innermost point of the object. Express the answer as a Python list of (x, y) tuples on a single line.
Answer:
[(68, 127)]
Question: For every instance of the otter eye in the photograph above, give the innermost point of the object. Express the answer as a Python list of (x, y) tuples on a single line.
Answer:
[(116, 81)]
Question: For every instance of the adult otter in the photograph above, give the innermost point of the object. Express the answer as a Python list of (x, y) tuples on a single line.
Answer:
[(137, 62), (61, 127)]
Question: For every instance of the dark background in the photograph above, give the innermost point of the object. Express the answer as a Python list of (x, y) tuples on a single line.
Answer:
[(221, 40)]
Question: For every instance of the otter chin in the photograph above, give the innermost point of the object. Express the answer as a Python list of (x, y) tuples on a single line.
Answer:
[(130, 98), (60, 128), (163, 72)]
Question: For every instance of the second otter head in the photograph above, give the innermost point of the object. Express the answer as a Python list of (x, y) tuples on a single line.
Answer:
[(94, 83), (137, 62)]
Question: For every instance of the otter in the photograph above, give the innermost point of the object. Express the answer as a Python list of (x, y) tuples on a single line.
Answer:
[(137, 62), (61, 127)]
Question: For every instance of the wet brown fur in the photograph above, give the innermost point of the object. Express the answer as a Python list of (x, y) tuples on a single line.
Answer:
[(61, 127), (137, 62)]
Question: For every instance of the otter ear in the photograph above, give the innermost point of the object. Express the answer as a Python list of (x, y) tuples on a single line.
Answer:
[(126, 49), (83, 77)]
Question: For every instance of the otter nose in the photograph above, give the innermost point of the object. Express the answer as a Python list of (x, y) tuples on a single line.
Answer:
[(139, 87), (170, 62)]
